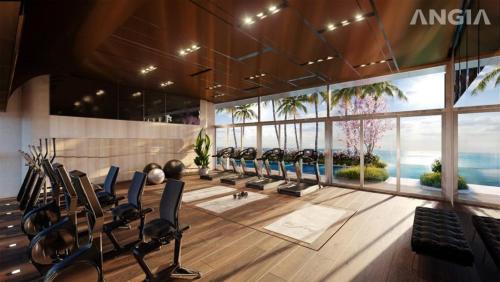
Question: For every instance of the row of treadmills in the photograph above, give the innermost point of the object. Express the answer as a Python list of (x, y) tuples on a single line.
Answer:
[(235, 171)]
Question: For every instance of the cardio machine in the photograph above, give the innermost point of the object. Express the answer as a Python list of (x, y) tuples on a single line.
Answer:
[(270, 180), (301, 186), (224, 155), (248, 154)]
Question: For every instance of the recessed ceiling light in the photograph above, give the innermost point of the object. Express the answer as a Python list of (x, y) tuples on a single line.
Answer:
[(319, 60), (148, 69), (214, 87), (344, 23), (273, 9), (77, 103), (166, 83), (359, 17), (12, 245), (185, 51), (136, 94), (100, 92), (260, 15), (372, 63), (87, 99), (15, 271), (255, 76), (331, 27), (248, 20), (9, 226), (8, 213)]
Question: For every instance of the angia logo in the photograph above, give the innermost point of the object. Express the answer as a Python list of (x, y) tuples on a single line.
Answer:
[(454, 17)]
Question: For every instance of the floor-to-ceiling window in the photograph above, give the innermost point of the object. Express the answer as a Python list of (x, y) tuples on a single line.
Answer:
[(478, 129)]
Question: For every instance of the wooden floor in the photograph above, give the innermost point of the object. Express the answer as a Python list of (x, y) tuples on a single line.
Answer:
[(374, 245)]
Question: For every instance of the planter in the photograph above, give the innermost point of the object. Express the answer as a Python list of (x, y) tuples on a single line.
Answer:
[(203, 171)]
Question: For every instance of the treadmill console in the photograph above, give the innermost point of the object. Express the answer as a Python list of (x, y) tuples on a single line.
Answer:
[(225, 153), (275, 154), (306, 155), (248, 154)]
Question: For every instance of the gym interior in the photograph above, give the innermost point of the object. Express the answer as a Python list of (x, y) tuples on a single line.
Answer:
[(238, 140)]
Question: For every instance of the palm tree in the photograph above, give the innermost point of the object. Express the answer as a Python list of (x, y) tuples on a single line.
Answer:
[(244, 112), (486, 79), (231, 111), (383, 88), (314, 98), (292, 106), (344, 96), (277, 127)]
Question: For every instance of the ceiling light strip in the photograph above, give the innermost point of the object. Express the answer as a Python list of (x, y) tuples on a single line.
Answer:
[(357, 18), (214, 87), (271, 10), (255, 76), (186, 51), (320, 60), (148, 69), (166, 83), (372, 63)]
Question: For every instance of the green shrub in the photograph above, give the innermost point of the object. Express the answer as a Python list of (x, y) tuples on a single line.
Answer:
[(436, 166), (433, 179), (372, 173)]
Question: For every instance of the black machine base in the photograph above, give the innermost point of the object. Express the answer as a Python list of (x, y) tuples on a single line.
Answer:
[(298, 189), (235, 180), (206, 177), (264, 183)]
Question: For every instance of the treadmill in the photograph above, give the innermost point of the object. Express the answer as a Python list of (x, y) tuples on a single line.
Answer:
[(225, 156), (270, 181), (248, 154), (301, 186)]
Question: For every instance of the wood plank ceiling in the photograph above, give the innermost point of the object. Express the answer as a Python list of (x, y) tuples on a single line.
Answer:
[(112, 40)]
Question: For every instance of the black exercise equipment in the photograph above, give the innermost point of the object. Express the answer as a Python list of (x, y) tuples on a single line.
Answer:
[(269, 180), (60, 239), (85, 263), (124, 214), (150, 167), (223, 157), (248, 154), (301, 186), (107, 195), (162, 230), (174, 169), (43, 216)]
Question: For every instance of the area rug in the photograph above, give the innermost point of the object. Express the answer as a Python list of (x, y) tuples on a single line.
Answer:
[(226, 203), (200, 194), (311, 224)]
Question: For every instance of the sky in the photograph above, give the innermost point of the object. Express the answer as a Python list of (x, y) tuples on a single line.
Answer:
[(418, 134)]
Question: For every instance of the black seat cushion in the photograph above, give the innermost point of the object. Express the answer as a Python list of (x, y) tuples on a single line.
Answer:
[(126, 211), (158, 228), (105, 199), (438, 233), (488, 229)]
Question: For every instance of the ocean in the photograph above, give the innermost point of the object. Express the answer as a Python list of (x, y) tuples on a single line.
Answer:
[(476, 168)]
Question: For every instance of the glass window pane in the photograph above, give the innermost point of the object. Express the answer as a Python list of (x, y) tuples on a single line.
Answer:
[(380, 151), (420, 92), (307, 103), (345, 152), (477, 90), (314, 138), (420, 149), (242, 112), (479, 158)]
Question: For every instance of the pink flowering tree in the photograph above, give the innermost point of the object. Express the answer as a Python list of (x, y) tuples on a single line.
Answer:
[(374, 129)]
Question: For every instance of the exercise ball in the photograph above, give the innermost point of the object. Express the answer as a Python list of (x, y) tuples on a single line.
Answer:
[(174, 169), (156, 176), (150, 167)]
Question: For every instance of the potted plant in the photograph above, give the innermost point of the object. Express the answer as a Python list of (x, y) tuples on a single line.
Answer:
[(202, 149)]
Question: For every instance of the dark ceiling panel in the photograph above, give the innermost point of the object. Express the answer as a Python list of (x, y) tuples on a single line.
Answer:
[(111, 40)]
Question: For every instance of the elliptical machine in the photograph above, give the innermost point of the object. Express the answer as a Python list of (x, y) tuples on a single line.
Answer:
[(223, 155), (270, 180), (301, 186), (248, 154)]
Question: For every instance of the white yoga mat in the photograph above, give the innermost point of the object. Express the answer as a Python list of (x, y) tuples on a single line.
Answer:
[(206, 193), (308, 223), (226, 203)]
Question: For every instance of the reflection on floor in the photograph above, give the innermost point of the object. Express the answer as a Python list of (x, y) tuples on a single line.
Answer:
[(373, 245)]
